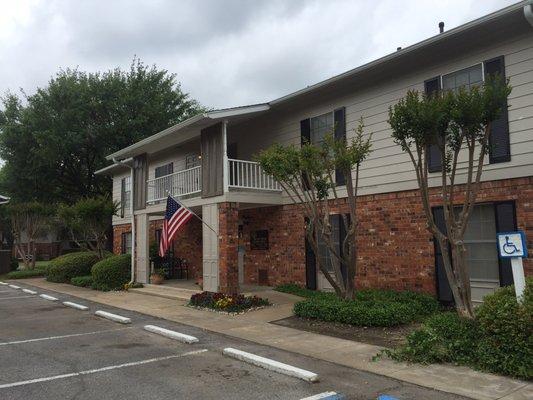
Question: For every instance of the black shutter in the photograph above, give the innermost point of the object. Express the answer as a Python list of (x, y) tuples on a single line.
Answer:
[(310, 266), (122, 197), (342, 236), (339, 117), (305, 137), (444, 292), (505, 222), (499, 144), (432, 86)]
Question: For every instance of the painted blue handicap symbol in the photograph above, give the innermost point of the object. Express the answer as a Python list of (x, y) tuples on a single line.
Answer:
[(386, 397)]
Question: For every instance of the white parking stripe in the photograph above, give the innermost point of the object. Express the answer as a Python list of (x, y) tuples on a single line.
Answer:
[(29, 291), (113, 317), (46, 297), (61, 336), (325, 395), (95, 371), (76, 305), (15, 297)]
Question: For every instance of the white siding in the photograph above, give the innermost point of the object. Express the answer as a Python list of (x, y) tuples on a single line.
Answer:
[(388, 168)]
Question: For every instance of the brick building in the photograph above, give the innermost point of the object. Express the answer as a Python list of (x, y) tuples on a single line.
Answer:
[(205, 161)]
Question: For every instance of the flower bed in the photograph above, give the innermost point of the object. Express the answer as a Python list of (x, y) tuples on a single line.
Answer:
[(227, 303)]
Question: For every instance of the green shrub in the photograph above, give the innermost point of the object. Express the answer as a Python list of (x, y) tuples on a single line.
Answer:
[(506, 344), (112, 273), (83, 281), (369, 308), (25, 273), (62, 269), (228, 303), (498, 340)]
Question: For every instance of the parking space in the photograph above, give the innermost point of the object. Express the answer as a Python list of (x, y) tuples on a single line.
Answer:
[(48, 351)]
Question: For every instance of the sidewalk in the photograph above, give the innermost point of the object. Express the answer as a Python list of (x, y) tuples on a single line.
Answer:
[(254, 326)]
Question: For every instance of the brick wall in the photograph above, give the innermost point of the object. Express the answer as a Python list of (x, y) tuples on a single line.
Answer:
[(394, 249), (118, 230), (228, 223)]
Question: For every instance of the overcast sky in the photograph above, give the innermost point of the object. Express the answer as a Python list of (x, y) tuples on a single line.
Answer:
[(224, 52)]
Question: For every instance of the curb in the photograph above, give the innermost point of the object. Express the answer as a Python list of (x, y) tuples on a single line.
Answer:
[(271, 365), (46, 297), (171, 334), (326, 396), (75, 305), (113, 317)]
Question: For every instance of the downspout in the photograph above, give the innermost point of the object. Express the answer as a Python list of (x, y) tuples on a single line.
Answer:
[(133, 249), (528, 12)]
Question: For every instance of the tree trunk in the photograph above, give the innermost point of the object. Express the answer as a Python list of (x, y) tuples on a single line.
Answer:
[(463, 302)]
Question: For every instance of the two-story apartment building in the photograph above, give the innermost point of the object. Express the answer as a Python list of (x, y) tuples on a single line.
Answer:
[(206, 161)]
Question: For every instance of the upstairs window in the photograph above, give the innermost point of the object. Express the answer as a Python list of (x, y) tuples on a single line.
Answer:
[(320, 127), (465, 78), (163, 170)]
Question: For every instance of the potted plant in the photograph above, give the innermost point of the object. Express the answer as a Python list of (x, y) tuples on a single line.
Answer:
[(157, 277)]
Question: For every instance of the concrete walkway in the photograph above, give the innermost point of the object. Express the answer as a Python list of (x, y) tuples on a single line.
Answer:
[(254, 326)]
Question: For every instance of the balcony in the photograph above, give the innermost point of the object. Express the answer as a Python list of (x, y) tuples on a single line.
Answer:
[(241, 175), (182, 183), (249, 175)]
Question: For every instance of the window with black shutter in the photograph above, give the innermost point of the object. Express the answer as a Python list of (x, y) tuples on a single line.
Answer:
[(126, 243), (125, 196), (499, 143), (432, 87)]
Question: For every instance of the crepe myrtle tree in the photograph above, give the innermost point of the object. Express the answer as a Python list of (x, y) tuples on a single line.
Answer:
[(29, 221), (307, 174), (459, 124), (87, 222)]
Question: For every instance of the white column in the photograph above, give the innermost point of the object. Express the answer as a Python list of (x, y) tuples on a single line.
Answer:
[(210, 248), (225, 169), (142, 253)]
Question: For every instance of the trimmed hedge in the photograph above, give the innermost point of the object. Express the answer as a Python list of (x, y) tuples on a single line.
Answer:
[(498, 340), (83, 281), (370, 307), (62, 269), (26, 273), (112, 273)]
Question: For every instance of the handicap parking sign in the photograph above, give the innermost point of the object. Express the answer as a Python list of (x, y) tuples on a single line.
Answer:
[(512, 244)]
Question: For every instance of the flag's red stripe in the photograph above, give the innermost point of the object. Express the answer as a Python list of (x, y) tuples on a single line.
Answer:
[(174, 230)]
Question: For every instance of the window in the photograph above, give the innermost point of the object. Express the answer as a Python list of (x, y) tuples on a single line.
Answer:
[(163, 170), (191, 161), (125, 197), (320, 127), (126, 243), (464, 78), (481, 248)]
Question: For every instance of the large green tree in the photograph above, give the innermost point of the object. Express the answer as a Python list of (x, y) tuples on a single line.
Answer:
[(54, 140)]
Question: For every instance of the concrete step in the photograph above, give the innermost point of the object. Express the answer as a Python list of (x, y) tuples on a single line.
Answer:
[(165, 292)]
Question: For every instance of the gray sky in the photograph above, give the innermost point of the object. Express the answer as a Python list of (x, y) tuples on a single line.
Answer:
[(225, 52)]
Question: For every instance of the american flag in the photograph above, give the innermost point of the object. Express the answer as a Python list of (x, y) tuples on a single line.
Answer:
[(176, 216)]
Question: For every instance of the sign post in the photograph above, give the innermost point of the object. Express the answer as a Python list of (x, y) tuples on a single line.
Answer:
[(513, 245)]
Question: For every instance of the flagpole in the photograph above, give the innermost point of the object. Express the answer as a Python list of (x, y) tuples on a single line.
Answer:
[(191, 211)]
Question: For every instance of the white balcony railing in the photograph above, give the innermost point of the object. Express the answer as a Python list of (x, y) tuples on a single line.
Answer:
[(181, 183), (250, 175)]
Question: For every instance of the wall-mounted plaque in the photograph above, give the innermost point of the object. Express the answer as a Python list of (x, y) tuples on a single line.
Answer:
[(259, 240)]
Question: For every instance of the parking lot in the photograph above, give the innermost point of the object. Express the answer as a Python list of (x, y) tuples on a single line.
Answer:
[(50, 351)]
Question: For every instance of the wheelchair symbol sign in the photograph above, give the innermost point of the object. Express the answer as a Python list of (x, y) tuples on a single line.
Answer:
[(512, 244)]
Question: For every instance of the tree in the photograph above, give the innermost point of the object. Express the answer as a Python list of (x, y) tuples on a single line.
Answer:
[(28, 221), (459, 124), (87, 222), (54, 140), (307, 175)]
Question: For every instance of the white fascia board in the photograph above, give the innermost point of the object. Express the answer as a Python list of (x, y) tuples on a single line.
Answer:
[(232, 112)]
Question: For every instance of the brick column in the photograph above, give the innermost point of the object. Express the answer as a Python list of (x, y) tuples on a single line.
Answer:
[(228, 228)]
